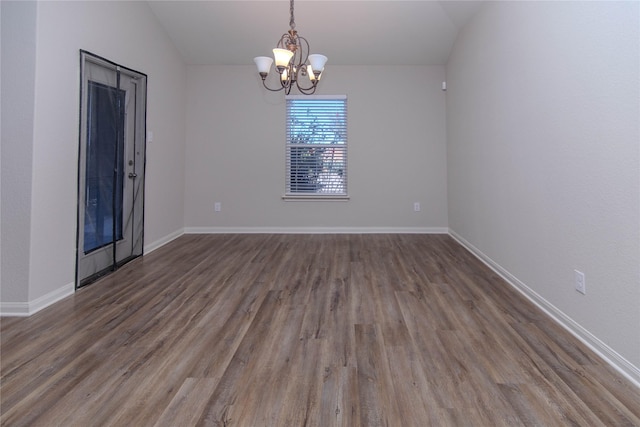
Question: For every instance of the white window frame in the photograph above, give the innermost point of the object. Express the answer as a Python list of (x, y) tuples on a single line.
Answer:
[(329, 180)]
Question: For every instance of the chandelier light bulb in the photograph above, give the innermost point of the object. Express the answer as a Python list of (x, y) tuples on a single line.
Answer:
[(312, 76)]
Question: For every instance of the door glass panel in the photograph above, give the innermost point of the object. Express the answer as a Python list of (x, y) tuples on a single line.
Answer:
[(105, 168)]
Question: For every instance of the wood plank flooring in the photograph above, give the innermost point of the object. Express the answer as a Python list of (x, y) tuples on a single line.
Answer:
[(303, 330)]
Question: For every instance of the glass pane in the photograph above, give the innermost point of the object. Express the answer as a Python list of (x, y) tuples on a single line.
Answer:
[(104, 170)]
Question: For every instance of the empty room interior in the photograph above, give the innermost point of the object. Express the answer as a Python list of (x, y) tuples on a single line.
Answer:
[(439, 225)]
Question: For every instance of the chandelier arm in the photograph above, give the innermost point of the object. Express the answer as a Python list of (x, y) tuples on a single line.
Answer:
[(305, 51), (287, 84), (282, 42), (264, 83), (307, 90)]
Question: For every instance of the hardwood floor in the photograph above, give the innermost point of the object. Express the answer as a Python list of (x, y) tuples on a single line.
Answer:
[(304, 330)]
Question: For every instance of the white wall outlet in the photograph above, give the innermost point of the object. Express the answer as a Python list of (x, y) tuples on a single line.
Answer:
[(580, 282), (416, 207), (217, 206)]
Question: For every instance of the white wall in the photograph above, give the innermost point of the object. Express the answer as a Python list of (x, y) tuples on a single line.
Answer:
[(543, 157), (63, 28), (397, 151), (18, 73)]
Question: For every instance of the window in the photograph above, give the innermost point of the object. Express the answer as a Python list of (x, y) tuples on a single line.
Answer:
[(316, 147)]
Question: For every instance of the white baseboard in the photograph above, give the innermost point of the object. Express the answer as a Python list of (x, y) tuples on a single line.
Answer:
[(619, 363), (24, 309), (316, 230), (150, 247), (14, 309)]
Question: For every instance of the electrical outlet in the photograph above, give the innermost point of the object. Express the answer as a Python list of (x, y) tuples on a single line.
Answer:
[(416, 207), (217, 206), (580, 282)]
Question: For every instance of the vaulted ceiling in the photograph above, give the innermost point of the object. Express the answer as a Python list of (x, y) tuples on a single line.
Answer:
[(359, 32)]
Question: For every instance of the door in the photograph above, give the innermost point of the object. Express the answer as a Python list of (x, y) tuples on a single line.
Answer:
[(111, 167)]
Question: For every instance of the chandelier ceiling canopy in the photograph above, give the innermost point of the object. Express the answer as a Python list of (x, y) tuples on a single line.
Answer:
[(293, 63)]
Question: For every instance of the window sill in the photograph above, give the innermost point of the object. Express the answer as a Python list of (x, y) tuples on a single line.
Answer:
[(315, 198)]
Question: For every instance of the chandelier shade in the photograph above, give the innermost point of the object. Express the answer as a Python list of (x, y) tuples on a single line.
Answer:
[(283, 57), (263, 63), (293, 63), (317, 61)]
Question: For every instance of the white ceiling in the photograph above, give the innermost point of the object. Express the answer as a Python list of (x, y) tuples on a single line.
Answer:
[(358, 32)]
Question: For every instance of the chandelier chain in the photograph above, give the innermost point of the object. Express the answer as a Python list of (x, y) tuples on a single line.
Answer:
[(292, 21)]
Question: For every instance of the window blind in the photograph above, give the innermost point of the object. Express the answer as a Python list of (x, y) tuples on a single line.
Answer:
[(316, 147)]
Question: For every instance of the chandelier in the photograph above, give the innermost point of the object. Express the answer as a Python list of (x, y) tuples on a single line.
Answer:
[(294, 65)]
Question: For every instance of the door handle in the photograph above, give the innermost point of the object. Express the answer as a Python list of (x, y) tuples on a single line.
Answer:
[(133, 175)]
